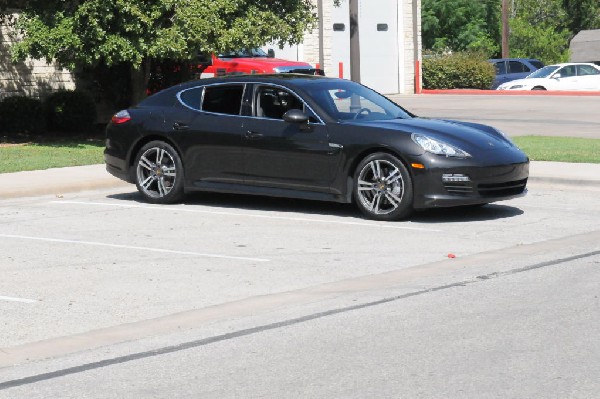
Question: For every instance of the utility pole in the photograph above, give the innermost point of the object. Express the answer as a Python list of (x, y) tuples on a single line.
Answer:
[(505, 29), (354, 42)]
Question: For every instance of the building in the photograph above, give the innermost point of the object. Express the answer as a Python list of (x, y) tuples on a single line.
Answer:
[(585, 46), (33, 78), (390, 43)]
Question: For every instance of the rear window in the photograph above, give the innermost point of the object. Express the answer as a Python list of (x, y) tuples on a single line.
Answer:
[(223, 99), (537, 64)]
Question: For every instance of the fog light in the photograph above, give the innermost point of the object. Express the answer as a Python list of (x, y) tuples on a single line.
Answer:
[(449, 177)]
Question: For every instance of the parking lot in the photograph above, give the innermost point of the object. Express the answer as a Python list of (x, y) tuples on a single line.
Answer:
[(242, 296)]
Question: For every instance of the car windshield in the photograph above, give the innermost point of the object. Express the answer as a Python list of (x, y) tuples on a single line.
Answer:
[(244, 53), (544, 72), (345, 100)]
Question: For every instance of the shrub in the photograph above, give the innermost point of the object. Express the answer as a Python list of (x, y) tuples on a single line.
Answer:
[(457, 71), (20, 114), (70, 111)]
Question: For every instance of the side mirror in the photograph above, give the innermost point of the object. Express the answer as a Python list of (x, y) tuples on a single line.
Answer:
[(295, 116), (271, 53)]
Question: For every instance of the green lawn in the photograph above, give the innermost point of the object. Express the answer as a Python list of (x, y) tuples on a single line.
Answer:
[(61, 153), (36, 156), (560, 149)]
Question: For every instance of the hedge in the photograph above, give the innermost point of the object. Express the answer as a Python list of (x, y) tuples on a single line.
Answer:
[(70, 111), (457, 71), (20, 114)]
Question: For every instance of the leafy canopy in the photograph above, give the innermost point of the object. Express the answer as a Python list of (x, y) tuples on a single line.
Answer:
[(86, 32)]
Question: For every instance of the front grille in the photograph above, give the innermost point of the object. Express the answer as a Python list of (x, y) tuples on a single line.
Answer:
[(502, 189), (458, 188)]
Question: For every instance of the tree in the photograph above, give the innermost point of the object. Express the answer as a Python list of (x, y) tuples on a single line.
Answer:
[(538, 29), (461, 25), (583, 14), (79, 33)]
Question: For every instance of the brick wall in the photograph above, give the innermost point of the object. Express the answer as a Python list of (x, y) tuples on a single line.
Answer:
[(31, 77)]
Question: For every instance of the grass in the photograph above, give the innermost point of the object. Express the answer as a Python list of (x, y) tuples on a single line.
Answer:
[(16, 156), (560, 149)]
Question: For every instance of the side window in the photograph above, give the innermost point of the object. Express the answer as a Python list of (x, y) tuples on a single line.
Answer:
[(354, 106), (500, 68), (223, 99), (273, 102), (567, 72), (584, 70), (537, 64), (517, 67), (192, 97)]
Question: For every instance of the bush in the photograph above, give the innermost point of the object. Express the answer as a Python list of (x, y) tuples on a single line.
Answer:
[(457, 71), (20, 114), (70, 111)]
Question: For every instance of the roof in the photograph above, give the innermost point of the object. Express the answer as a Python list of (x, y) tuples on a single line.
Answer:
[(585, 46)]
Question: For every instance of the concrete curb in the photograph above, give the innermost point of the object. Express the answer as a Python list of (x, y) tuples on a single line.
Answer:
[(59, 181)]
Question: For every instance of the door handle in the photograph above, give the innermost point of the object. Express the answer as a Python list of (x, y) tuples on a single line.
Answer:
[(253, 135), (180, 126)]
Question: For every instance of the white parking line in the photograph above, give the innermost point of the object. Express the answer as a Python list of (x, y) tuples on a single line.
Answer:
[(101, 244), (12, 299), (386, 225)]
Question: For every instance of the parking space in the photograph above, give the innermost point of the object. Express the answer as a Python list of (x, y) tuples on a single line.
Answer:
[(99, 259)]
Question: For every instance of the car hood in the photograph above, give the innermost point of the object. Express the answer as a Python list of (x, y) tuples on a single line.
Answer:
[(529, 82), (464, 135)]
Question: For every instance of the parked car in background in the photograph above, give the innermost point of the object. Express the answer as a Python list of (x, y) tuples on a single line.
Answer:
[(244, 61), (311, 137), (569, 77), (508, 69)]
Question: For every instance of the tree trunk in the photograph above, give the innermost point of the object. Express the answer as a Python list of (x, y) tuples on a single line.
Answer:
[(139, 81)]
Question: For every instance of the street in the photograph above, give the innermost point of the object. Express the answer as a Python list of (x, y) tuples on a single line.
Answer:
[(236, 296)]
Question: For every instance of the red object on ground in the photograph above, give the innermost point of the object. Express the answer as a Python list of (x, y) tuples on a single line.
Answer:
[(451, 256)]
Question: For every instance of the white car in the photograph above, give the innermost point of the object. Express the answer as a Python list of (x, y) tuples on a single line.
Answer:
[(569, 76)]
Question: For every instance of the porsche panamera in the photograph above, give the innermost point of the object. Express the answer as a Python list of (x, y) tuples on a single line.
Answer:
[(309, 137)]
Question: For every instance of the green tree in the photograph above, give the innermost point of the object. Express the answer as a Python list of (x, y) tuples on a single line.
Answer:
[(461, 25), (79, 33), (538, 29), (583, 14)]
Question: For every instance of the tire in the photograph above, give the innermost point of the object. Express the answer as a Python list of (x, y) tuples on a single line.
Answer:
[(383, 188), (539, 88), (159, 173)]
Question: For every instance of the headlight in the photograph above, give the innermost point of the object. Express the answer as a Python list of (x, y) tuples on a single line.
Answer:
[(438, 147)]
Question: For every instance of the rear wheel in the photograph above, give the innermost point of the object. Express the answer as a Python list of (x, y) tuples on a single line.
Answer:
[(539, 88), (383, 188), (159, 173)]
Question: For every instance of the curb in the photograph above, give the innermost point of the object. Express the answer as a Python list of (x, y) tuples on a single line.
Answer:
[(60, 181), (472, 92)]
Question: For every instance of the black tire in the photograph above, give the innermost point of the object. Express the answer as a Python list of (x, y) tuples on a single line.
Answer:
[(159, 173), (539, 88), (383, 188)]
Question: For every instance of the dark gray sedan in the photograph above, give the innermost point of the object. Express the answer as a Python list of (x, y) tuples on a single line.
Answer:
[(308, 137)]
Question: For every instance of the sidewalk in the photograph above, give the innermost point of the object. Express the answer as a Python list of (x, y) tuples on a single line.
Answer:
[(65, 180)]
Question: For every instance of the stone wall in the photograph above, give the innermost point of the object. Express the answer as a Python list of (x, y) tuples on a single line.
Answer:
[(32, 77)]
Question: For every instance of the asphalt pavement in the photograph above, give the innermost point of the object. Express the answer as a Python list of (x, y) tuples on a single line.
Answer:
[(59, 181)]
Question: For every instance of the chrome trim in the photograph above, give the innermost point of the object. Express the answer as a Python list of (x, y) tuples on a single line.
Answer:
[(245, 84)]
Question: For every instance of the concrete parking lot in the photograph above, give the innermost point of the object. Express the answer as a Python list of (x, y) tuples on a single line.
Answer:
[(229, 296), (98, 274)]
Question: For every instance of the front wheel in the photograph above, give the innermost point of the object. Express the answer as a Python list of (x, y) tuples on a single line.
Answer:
[(383, 188), (159, 173)]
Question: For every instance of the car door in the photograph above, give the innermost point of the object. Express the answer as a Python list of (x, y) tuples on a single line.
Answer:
[(207, 123), (501, 75), (517, 70), (589, 77), (283, 154), (565, 78)]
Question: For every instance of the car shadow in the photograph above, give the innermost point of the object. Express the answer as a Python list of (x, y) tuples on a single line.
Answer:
[(291, 205)]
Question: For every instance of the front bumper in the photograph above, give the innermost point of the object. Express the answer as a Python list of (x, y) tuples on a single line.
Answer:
[(485, 184)]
